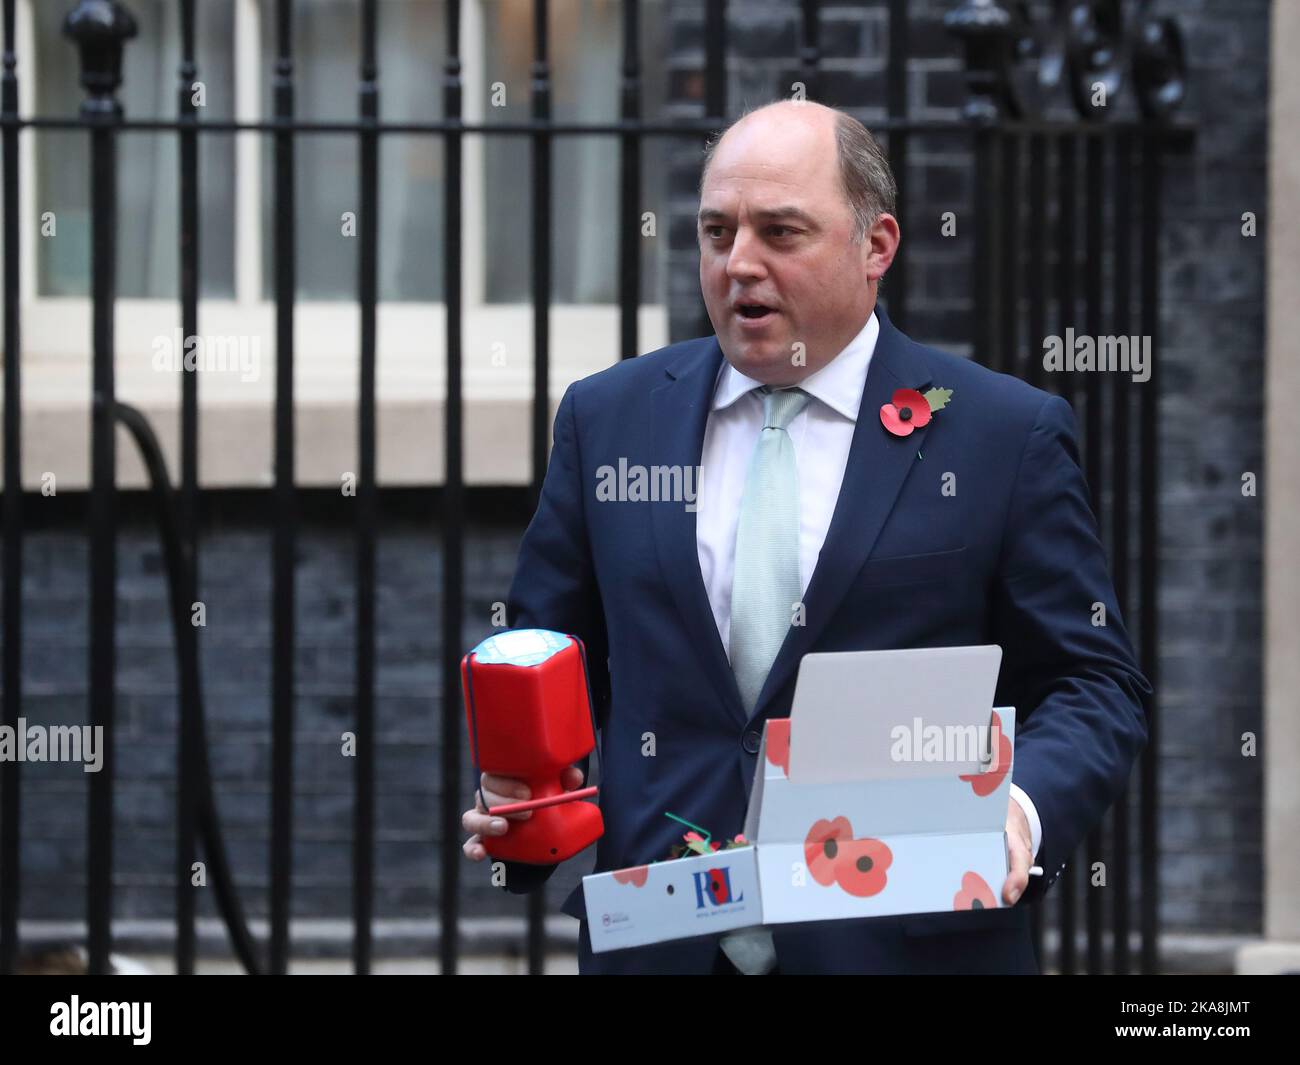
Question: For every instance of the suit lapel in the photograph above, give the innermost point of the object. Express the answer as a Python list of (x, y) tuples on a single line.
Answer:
[(878, 464), (679, 415)]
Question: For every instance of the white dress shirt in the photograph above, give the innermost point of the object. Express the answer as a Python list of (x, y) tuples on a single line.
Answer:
[(822, 434)]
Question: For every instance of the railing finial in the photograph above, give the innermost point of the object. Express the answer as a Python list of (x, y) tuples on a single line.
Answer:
[(987, 30), (100, 28), (1160, 68)]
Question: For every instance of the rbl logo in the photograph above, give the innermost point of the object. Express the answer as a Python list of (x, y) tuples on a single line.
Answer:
[(715, 886)]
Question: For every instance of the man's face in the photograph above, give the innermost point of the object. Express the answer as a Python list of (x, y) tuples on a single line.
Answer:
[(785, 285)]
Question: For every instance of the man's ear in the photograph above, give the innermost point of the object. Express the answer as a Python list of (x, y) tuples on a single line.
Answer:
[(881, 245)]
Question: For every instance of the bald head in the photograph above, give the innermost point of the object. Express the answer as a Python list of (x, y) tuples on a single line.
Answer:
[(834, 139), (795, 233)]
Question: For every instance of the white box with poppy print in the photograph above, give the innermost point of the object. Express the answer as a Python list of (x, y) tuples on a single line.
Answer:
[(884, 793)]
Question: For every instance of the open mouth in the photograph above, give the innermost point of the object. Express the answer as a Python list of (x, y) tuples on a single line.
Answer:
[(754, 312)]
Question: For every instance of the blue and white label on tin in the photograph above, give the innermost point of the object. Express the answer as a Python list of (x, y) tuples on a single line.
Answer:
[(520, 647)]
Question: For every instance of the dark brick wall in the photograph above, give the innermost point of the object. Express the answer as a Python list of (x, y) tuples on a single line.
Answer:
[(1212, 407), (236, 659)]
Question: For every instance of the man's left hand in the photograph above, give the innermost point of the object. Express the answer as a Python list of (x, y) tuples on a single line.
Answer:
[(1018, 844)]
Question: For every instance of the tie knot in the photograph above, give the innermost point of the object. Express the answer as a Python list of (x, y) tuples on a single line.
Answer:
[(781, 405)]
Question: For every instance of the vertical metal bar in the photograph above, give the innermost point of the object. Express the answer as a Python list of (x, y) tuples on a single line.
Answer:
[(187, 795), (10, 874), (541, 176), (1149, 571), (541, 237), (1037, 308), (896, 89), (1037, 328), (363, 829), (1066, 181), (715, 60), (629, 231), (986, 265), (1093, 273), (1122, 391), (452, 511), (715, 88), (284, 506), (810, 49), (103, 540), (1065, 309), (100, 31), (1094, 268), (1008, 350)]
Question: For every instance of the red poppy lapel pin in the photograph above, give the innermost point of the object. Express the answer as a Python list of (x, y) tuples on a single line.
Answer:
[(912, 410)]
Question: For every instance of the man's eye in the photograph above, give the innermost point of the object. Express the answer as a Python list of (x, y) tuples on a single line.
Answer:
[(784, 231), (708, 231)]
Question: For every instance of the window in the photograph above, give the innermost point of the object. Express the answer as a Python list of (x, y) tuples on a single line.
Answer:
[(236, 44), (148, 164), (585, 50)]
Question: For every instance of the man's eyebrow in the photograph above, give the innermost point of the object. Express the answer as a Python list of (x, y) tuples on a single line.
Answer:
[(713, 214)]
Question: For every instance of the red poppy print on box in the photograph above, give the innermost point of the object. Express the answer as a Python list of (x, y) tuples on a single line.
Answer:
[(975, 894), (987, 783), (778, 743), (635, 876), (861, 867), (857, 866), (821, 848), (719, 887)]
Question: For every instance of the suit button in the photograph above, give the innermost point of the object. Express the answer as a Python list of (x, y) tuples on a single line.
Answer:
[(751, 741)]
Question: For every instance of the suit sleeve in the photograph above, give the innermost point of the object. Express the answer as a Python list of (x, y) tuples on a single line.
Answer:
[(1075, 682), (554, 587)]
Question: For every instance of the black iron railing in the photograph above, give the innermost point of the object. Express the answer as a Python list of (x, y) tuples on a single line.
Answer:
[(1026, 276)]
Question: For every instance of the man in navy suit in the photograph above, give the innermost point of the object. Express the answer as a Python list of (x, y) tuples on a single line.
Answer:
[(829, 524)]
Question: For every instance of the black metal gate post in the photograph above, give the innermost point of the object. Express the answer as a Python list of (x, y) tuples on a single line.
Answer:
[(101, 28), (12, 518)]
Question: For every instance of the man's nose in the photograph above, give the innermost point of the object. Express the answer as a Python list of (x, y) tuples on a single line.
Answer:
[(746, 258)]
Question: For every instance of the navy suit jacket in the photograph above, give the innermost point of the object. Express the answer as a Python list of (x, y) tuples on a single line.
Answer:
[(1011, 558)]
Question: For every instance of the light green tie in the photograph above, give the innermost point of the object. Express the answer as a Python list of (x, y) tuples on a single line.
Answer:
[(765, 583), (764, 589)]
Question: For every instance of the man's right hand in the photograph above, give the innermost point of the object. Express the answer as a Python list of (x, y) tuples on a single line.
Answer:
[(498, 791)]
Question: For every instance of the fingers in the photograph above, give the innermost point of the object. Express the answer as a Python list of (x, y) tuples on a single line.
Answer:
[(1018, 878), (480, 823), (497, 791)]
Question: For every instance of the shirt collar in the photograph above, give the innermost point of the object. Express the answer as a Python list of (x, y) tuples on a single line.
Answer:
[(838, 384)]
